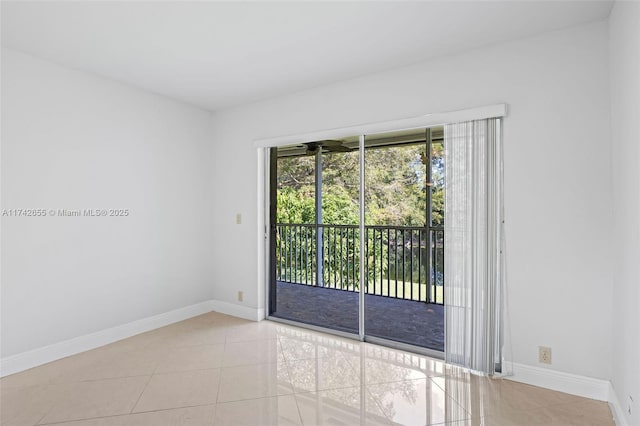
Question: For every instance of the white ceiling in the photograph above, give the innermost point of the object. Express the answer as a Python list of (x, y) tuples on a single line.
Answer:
[(220, 54)]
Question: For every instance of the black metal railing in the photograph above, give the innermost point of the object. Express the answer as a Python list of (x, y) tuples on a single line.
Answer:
[(404, 262)]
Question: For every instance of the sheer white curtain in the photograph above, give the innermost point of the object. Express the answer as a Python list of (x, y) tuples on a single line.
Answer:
[(472, 229)]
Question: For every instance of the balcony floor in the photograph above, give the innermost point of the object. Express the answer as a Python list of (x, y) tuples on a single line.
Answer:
[(406, 321)]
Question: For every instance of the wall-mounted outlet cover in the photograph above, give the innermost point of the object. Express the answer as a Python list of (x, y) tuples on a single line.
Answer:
[(544, 354), (240, 296)]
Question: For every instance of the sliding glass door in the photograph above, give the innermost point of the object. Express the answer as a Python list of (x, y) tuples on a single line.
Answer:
[(356, 236), (315, 234), (403, 226)]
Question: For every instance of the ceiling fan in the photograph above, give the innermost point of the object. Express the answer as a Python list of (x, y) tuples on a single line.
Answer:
[(327, 146)]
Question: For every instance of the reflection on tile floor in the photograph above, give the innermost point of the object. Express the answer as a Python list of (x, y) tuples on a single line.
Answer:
[(220, 370)]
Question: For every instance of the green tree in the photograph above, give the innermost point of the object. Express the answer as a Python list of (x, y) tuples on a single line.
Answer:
[(395, 195)]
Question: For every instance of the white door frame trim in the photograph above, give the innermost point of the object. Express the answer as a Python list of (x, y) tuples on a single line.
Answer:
[(262, 147), (428, 120)]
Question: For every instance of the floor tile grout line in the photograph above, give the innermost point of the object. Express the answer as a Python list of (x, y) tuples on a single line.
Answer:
[(54, 405), (161, 372), (357, 387), (141, 393), (470, 415), (166, 373), (287, 368), (249, 365), (100, 379), (295, 399), (386, 382), (378, 404), (363, 384), (251, 340), (293, 389), (46, 414), (256, 398), (110, 416), (266, 397), (166, 409), (333, 388), (220, 377)]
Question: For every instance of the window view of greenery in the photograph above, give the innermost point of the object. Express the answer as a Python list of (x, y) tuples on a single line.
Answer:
[(395, 187), (398, 235)]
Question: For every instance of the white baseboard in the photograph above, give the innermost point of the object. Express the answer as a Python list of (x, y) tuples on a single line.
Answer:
[(25, 360), (251, 314), (574, 384), (619, 415), (29, 359)]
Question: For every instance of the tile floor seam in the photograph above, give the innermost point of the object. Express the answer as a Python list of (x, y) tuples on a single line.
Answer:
[(386, 382), (242, 365), (165, 373), (220, 379), (254, 399), (101, 379), (251, 340), (111, 416), (141, 393), (159, 373), (195, 345), (324, 389), (159, 410), (293, 387), (251, 399), (45, 415), (54, 405), (469, 414), (379, 405), (298, 407), (174, 408), (288, 369)]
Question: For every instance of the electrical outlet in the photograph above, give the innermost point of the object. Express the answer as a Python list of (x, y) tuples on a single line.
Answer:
[(240, 296), (238, 218), (544, 355)]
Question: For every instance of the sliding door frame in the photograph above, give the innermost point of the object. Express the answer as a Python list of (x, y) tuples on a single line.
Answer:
[(265, 157), (361, 230)]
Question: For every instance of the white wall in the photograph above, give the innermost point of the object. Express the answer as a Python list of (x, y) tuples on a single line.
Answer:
[(624, 50), (557, 168), (73, 141)]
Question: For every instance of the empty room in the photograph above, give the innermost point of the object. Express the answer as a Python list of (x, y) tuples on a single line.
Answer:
[(320, 213)]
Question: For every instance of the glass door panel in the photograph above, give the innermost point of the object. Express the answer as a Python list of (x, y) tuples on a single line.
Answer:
[(401, 301), (315, 234)]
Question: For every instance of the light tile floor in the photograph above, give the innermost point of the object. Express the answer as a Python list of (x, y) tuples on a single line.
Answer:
[(219, 370)]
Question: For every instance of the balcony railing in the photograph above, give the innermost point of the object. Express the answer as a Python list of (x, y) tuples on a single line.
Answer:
[(404, 262)]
